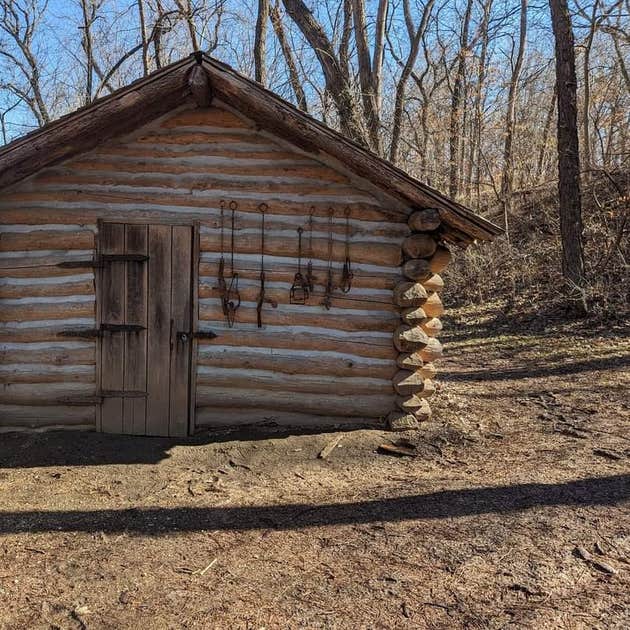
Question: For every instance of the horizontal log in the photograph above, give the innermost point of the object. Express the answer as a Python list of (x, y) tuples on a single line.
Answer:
[(140, 203), (434, 283), (36, 416), (340, 319), (417, 269), (46, 310), (46, 239), (40, 273), (433, 306), (414, 316), (172, 166), (13, 261), (357, 299), (213, 418), (48, 353), (11, 289), (367, 252), (41, 330), (409, 294), (43, 393), (301, 383), (418, 407), (295, 362), (408, 383), (211, 116), (440, 259), (425, 220), (366, 406), (297, 338), (410, 339), (46, 373), (419, 246), (202, 185)]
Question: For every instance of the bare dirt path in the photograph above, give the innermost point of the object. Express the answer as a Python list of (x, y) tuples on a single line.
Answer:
[(529, 457)]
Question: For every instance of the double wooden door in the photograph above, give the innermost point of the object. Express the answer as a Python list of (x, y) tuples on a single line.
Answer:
[(145, 317)]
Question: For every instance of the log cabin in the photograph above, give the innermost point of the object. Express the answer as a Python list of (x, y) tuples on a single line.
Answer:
[(193, 252)]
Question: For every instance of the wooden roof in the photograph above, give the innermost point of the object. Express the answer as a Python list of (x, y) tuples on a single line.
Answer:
[(167, 88)]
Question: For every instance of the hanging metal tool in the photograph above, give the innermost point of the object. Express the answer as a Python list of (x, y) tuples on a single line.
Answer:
[(330, 287), (221, 285), (346, 272), (230, 296), (299, 292), (263, 207), (310, 278)]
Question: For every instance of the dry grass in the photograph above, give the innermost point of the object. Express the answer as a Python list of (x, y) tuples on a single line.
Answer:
[(478, 531), (525, 272)]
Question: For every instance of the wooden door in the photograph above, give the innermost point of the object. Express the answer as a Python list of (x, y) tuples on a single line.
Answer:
[(145, 315)]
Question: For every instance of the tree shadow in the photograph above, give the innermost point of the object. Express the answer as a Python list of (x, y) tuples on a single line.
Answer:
[(539, 370), (610, 491), (87, 448)]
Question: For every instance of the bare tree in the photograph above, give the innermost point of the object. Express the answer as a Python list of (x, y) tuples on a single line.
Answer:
[(507, 181), (457, 101), (415, 37), (337, 81), (570, 202), (260, 42), (294, 78), (19, 22)]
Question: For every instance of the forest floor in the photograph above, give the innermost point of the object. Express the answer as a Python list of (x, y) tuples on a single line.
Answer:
[(528, 458)]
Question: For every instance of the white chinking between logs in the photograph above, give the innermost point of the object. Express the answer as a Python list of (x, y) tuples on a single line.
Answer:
[(417, 298)]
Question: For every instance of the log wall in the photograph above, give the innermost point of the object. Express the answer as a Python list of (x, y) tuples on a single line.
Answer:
[(307, 364)]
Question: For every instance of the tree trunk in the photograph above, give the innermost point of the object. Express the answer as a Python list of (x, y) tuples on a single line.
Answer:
[(294, 77), (399, 101), (570, 203), (507, 181), (456, 105), (336, 81), (260, 42)]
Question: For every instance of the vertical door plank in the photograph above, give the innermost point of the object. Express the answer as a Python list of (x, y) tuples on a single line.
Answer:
[(112, 241), (158, 330), (181, 268), (134, 409)]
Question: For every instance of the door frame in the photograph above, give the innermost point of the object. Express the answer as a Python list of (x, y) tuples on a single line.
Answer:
[(194, 302)]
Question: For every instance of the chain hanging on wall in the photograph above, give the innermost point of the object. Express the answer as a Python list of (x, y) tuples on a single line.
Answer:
[(346, 272), (230, 296), (299, 292), (330, 287), (263, 207), (310, 278)]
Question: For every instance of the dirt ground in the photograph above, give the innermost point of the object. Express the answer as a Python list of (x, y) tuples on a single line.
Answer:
[(528, 458)]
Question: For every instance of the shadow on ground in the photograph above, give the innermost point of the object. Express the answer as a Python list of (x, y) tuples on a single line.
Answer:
[(85, 448), (610, 490)]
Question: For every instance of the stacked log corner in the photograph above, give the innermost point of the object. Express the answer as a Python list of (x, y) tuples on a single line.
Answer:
[(418, 300)]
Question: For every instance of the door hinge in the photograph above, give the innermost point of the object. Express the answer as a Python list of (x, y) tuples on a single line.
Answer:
[(90, 333), (80, 400), (100, 261), (204, 334)]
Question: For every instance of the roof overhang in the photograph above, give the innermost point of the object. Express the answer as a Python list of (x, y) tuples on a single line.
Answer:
[(169, 87)]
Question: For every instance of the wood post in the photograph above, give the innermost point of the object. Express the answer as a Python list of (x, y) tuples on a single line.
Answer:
[(419, 303)]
